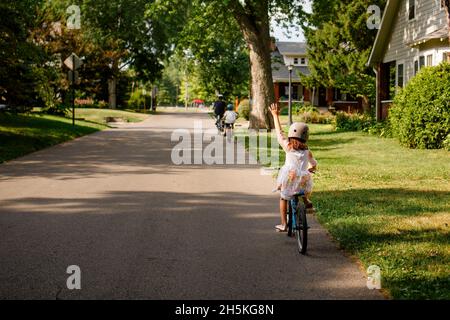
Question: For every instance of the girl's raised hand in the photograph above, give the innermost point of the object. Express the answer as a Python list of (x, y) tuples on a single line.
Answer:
[(275, 109)]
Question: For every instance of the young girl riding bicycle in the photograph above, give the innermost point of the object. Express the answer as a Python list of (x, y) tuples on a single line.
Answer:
[(296, 174)]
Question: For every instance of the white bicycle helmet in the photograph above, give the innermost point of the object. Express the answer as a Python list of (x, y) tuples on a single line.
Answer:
[(299, 130)]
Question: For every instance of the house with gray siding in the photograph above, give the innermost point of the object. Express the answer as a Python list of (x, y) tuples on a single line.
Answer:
[(413, 35), (294, 54)]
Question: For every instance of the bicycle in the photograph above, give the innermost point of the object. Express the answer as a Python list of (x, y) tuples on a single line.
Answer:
[(220, 124), (297, 223), (229, 132)]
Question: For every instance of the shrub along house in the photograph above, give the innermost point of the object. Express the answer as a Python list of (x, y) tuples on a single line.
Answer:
[(295, 55), (413, 34)]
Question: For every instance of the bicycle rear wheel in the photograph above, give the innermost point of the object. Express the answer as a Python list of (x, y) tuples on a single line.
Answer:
[(301, 228)]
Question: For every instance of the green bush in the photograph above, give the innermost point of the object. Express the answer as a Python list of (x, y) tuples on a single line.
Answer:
[(137, 100), (446, 143), (244, 109), (352, 122), (381, 129), (302, 108), (57, 110), (420, 115)]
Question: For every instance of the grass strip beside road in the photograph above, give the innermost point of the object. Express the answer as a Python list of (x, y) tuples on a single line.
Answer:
[(99, 115), (23, 134)]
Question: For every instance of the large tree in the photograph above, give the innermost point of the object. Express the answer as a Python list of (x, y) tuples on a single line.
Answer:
[(254, 20), (130, 36), (217, 52), (19, 55)]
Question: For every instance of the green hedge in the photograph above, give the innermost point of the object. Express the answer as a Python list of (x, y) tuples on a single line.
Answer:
[(352, 122), (420, 115), (244, 109)]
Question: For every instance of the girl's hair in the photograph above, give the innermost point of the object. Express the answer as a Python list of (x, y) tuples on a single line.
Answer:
[(303, 145)]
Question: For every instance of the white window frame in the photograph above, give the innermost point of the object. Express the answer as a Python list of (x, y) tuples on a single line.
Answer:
[(398, 63), (417, 59), (431, 52), (407, 11), (303, 61), (296, 62), (432, 59)]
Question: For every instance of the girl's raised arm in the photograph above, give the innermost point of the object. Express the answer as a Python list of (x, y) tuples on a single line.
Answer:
[(275, 110)]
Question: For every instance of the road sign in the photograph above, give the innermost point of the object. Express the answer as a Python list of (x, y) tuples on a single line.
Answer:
[(73, 60)]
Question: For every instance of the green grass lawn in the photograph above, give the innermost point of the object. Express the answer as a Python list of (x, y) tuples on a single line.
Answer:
[(99, 115), (23, 134), (388, 206)]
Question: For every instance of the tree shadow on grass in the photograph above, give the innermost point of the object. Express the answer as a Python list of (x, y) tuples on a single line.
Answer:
[(328, 144)]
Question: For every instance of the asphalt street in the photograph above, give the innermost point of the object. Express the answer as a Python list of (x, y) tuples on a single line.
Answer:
[(140, 227)]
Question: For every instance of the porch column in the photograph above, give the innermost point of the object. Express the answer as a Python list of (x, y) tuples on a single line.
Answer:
[(277, 91), (383, 75), (330, 96), (306, 94)]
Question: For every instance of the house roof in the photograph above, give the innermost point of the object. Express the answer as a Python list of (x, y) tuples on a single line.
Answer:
[(438, 34), (384, 34), (280, 72), (291, 48)]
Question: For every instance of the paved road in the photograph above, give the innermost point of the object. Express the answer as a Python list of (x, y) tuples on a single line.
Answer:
[(140, 227)]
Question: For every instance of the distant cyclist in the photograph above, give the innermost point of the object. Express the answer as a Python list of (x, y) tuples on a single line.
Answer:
[(229, 118), (219, 111)]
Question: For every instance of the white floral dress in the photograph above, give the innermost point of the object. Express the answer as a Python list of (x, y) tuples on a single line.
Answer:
[(295, 170)]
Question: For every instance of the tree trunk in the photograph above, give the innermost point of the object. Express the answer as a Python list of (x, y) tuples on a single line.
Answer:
[(112, 93), (112, 85), (262, 89), (255, 26)]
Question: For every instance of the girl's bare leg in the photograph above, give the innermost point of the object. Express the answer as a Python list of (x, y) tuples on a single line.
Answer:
[(283, 211)]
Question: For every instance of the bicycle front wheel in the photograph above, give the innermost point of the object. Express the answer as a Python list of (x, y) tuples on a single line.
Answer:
[(301, 228)]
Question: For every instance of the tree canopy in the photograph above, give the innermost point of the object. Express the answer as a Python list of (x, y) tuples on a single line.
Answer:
[(339, 45)]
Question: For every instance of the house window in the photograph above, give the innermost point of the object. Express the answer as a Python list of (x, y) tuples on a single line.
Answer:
[(400, 75), (295, 61), (421, 62), (412, 9), (303, 61), (446, 56)]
